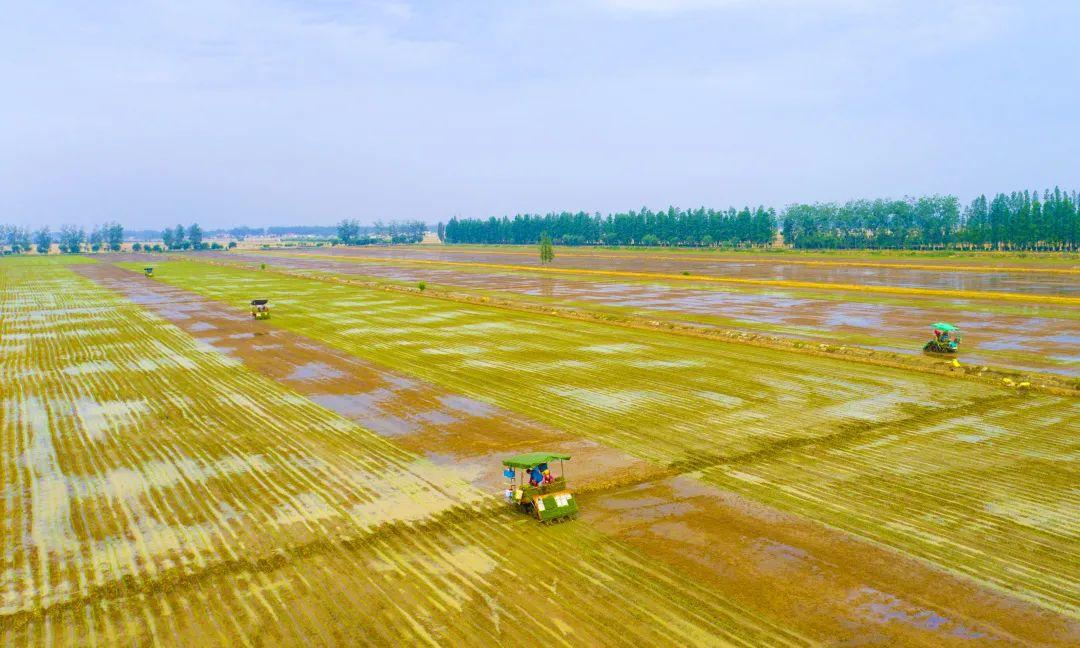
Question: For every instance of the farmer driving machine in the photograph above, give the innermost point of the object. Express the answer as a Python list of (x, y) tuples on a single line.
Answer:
[(535, 491), (260, 309), (946, 339), (148, 271)]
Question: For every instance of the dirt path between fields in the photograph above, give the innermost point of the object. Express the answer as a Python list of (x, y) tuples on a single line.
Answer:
[(832, 585)]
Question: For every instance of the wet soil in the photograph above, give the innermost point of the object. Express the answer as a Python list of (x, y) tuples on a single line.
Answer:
[(447, 428), (838, 586), (1004, 279), (834, 586), (1028, 342)]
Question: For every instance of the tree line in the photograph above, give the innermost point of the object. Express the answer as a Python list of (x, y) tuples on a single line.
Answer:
[(110, 236), (1021, 220), (674, 226), (70, 238), (351, 232), (179, 238), (107, 237)]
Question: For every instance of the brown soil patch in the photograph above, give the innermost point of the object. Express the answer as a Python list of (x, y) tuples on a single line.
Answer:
[(842, 589)]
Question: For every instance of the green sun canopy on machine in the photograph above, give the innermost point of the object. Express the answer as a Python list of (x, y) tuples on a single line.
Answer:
[(946, 339), (535, 491)]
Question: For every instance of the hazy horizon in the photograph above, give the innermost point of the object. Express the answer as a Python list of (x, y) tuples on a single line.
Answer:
[(289, 113)]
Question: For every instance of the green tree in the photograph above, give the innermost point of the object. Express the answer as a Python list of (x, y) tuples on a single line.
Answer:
[(179, 238), (348, 231), (18, 238), (976, 222), (167, 237), (195, 236), (547, 250), (97, 238), (114, 235), (1034, 228), (1020, 219), (999, 220), (71, 239), (43, 240)]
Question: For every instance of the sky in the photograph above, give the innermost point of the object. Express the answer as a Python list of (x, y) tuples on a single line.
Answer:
[(285, 112)]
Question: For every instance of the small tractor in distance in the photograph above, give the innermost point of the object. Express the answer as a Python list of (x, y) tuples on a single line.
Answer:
[(543, 495), (148, 271), (260, 309), (946, 339)]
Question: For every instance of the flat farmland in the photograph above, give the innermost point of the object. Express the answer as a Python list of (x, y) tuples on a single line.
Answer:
[(1014, 316), (1041, 275), (177, 473), (156, 491)]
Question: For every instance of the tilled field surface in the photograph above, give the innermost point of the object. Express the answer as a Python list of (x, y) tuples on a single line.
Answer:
[(1001, 274), (157, 491), (1016, 322), (177, 473)]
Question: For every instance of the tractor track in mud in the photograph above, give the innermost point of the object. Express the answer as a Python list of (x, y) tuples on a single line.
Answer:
[(874, 560), (849, 432)]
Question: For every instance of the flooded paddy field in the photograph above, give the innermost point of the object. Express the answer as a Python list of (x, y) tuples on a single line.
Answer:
[(159, 491), (1002, 275), (178, 473), (1031, 336)]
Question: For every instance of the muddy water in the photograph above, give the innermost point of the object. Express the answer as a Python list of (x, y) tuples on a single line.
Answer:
[(1030, 342), (825, 583), (992, 279)]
